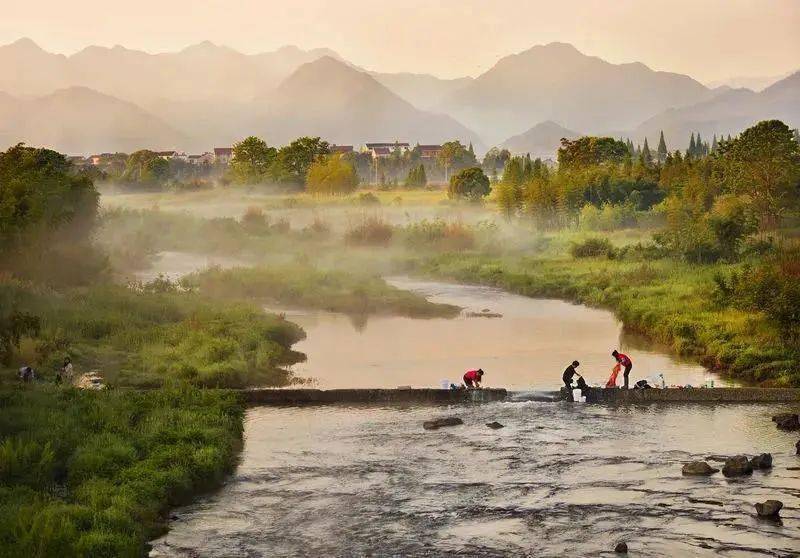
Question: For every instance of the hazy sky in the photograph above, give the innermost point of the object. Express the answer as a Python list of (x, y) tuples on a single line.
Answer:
[(707, 39)]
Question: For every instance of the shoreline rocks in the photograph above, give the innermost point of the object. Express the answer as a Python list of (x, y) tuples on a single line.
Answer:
[(770, 509), (494, 425), (621, 548), (436, 424), (698, 469), (787, 421), (737, 466), (763, 461)]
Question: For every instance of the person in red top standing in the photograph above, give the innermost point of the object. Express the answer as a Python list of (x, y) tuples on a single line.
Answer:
[(624, 361), (473, 378)]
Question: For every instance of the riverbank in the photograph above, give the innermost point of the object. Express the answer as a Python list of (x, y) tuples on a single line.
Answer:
[(670, 302), (94, 473)]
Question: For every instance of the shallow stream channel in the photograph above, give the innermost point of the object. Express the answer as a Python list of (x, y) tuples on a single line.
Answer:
[(560, 479)]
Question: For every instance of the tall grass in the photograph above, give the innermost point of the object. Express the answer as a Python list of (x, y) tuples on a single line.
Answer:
[(309, 287), (92, 473)]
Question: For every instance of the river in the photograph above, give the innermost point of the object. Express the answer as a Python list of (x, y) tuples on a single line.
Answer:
[(560, 479)]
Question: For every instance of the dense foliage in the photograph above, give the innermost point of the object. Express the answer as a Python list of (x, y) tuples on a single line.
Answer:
[(470, 184)]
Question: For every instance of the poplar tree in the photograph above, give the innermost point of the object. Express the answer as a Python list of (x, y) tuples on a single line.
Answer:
[(662, 148), (647, 157)]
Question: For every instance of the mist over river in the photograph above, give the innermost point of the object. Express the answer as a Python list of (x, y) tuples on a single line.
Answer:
[(559, 480)]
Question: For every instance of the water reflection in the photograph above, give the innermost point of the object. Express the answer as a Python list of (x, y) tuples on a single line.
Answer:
[(527, 347)]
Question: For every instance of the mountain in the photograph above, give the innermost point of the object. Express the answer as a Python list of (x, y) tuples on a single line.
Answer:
[(756, 83), (204, 71), (543, 140), (729, 112), (78, 120), (424, 91), (331, 99), (557, 82)]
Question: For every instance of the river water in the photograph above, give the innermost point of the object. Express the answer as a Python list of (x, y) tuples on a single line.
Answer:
[(527, 347), (560, 479)]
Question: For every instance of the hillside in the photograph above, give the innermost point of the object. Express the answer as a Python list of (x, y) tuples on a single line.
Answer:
[(730, 112), (329, 98), (543, 140), (78, 120), (557, 82)]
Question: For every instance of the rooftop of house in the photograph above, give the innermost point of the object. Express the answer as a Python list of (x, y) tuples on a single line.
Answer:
[(391, 144), (223, 150)]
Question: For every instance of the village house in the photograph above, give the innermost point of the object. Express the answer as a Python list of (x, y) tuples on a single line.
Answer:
[(206, 158), (380, 150), (223, 155), (341, 149), (429, 151)]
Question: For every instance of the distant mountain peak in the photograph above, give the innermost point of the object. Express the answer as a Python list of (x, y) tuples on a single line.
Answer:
[(26, 43)]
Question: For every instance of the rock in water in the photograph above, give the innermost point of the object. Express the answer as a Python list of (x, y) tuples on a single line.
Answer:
[(763, 461), (797, 445), (770, 508), (787, 421), (494, 425), (435, 424), (621, 548), (737, 466), (699, 468)]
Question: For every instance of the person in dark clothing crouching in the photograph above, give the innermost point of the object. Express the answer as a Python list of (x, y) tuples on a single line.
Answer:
[(569, 373)]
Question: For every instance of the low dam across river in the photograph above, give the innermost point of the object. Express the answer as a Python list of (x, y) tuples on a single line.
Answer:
[(296, 397)]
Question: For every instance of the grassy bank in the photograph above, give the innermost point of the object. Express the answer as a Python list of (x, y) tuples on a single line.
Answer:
[(307, 287), (670, 302), (93, 473), (151, 336)]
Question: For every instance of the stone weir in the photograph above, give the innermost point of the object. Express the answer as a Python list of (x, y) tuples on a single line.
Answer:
[(691, 395), (370, 396)]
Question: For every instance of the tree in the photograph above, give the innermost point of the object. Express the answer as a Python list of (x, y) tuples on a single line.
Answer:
[(39, 194), (416, 177), (692, 148), (589, 150), (449, 154), (647, 157), (495, 159), (331, 175), (764, 164), (470, 184), (251, 160), (662, 148), (145, 167), (508, 193), (293, 161)]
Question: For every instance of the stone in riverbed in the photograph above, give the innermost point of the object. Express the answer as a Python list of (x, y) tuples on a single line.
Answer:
[(797, 445), (621, 548), (494, 425), (438, 423), (737, 466), (770, 508), (698, 468), (763, 461), (787, 421)]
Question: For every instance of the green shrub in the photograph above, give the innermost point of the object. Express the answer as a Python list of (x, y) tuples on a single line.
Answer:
[(591, 248), (370, 231), (439, 235)]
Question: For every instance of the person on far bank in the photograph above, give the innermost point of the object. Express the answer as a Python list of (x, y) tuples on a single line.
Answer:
[(569, 373), (624, 361), (473, 378)]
